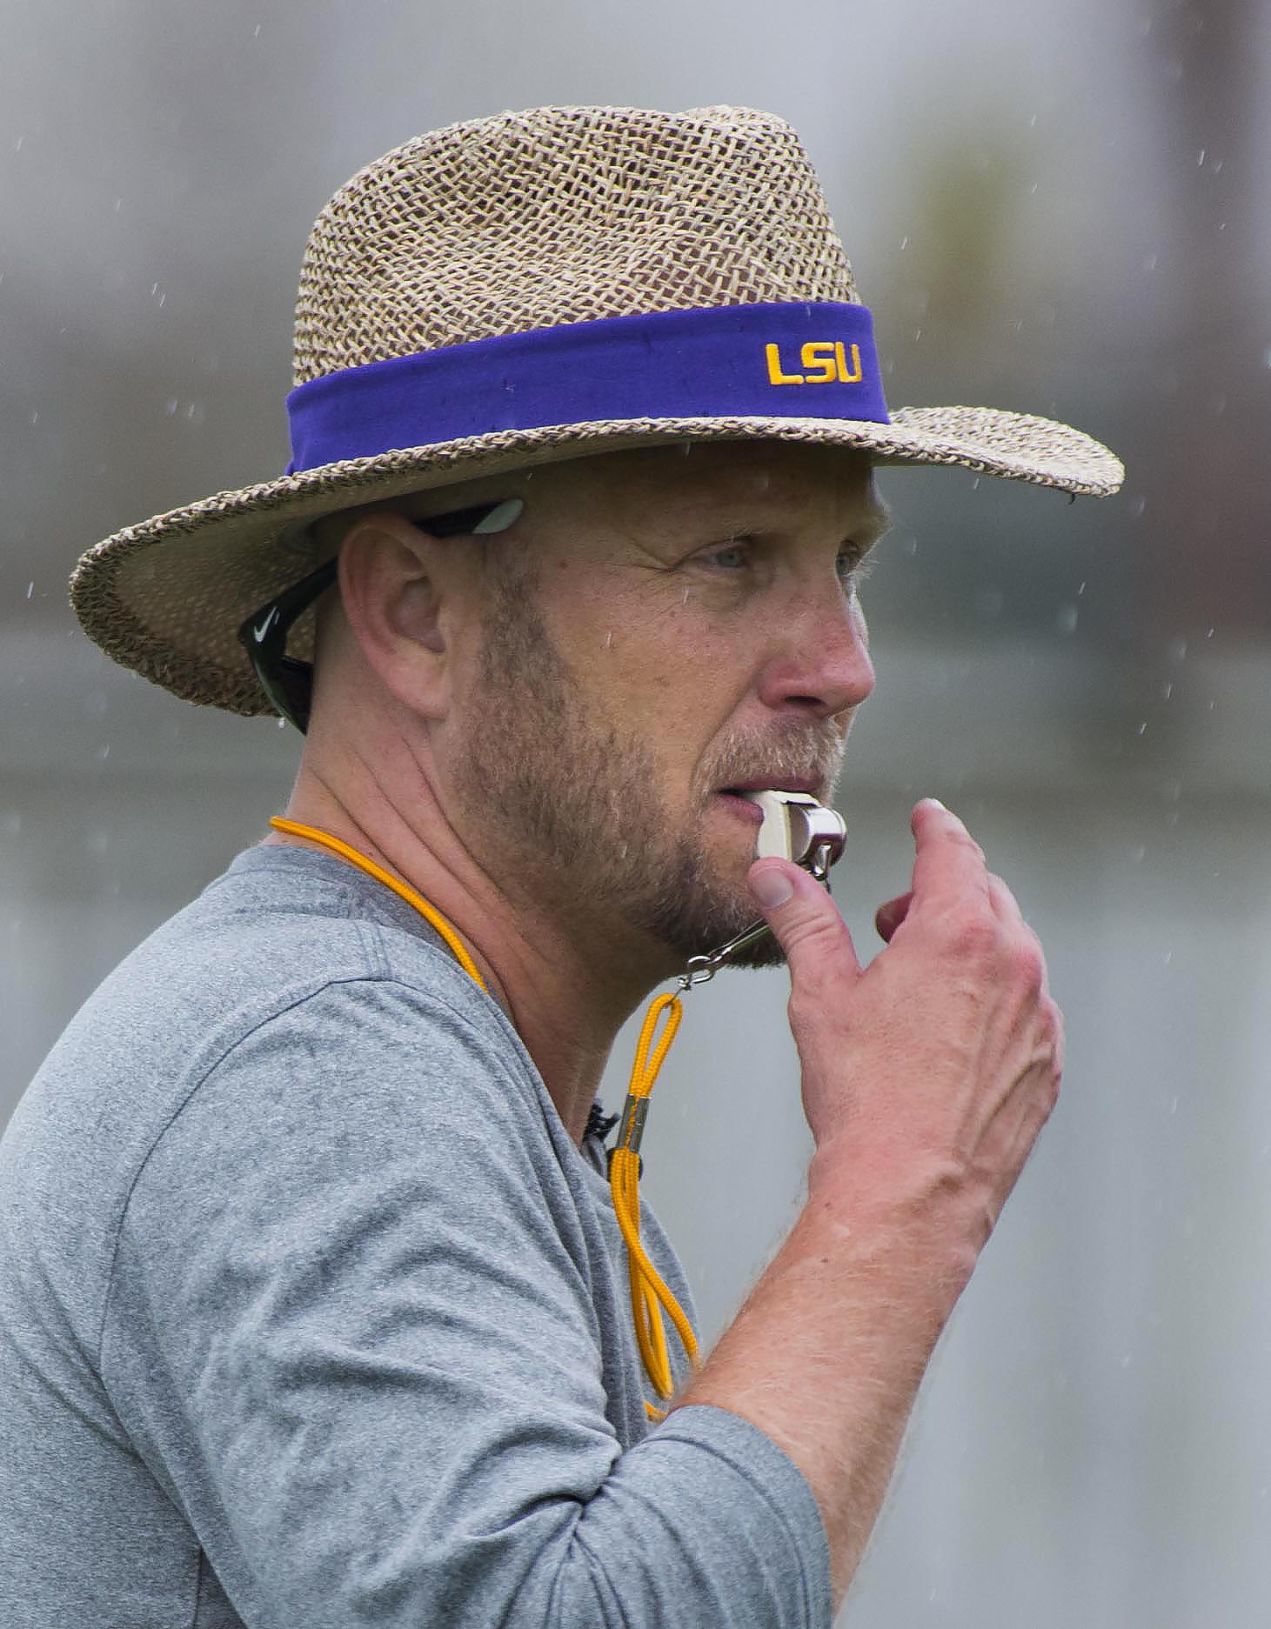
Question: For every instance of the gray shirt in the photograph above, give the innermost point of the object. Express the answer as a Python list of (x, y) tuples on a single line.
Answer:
[(313, 1315)]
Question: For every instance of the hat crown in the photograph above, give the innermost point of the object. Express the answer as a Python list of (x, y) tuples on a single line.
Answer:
[(562, 215)]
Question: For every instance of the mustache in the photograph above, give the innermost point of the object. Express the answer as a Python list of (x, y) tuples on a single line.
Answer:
[(812, 753)]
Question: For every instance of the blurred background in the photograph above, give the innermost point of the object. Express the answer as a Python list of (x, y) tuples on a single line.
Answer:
[(1063, 210)]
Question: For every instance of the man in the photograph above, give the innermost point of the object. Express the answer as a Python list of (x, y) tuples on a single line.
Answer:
[(315, 1298)]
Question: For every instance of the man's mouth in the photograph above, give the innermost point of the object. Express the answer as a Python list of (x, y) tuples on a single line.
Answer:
[(734, 796)]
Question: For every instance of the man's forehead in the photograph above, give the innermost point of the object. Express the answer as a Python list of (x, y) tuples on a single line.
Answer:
[(706, 482)]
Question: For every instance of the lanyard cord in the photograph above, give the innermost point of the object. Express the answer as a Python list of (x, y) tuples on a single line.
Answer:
[(647, 1285), (429, 912), (648, 1288)]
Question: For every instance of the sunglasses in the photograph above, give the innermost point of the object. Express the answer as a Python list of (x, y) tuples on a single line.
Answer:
[(288, 682)]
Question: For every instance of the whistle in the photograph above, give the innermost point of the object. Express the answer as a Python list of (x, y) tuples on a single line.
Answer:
[(795, 827)]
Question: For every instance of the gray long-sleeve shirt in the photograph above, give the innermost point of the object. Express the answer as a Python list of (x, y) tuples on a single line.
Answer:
[(313, 1316)]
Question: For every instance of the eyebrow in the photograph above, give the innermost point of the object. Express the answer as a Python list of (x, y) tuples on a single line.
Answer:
[(876, 524)]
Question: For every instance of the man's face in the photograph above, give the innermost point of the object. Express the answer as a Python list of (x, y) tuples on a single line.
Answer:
[(662, 629)]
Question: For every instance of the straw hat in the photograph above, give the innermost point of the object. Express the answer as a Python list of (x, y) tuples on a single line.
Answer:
[(531, 287)]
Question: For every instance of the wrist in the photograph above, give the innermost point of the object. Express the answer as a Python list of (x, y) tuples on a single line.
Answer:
[(913, 1223)]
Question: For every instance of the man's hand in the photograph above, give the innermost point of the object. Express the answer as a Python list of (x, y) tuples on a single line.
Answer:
[(926, 1078), (928, 1075)]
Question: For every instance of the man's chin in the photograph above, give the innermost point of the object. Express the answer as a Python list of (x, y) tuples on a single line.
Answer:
[(765, 952), (703, 937)]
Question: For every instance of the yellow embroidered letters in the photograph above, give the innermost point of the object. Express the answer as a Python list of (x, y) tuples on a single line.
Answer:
[(825, 362)]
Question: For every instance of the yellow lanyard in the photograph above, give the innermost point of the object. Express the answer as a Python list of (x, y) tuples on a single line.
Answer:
[(648, 1288)]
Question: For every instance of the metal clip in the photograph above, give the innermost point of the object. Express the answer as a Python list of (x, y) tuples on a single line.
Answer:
[(631, 1131)]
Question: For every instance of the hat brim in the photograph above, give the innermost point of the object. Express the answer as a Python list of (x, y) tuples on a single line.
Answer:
[(167, 597)]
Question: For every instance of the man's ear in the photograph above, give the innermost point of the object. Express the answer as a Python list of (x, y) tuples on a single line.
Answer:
[(394, 606)]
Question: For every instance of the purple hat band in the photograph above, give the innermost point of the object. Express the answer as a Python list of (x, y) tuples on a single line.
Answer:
[(735, 361)]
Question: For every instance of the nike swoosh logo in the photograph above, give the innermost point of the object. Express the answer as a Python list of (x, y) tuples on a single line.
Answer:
[(259, 633)]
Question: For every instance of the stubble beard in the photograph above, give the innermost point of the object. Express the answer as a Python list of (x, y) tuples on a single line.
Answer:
[(571, 798)]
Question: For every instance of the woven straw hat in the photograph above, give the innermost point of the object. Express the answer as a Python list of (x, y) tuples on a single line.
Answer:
[(531, 287)]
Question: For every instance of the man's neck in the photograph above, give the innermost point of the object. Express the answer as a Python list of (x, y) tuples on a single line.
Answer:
[(566, 999)]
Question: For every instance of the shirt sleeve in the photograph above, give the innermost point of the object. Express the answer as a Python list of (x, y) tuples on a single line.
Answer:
[(351, 1334)]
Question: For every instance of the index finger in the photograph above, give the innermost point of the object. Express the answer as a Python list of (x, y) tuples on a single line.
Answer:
[(949, 864)]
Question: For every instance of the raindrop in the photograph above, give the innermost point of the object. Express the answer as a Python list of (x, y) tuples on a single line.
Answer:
[(30, 589), (1167, 958), (256, 32), (17, 146), (1066, 619), (1200, 159), (282, 723), (1149, 262), (1081, 590), (172, 405), (103, 752), (1173, 1108), (119, 204), (609, 640), (1167, 689), (1137, 854), (1178, 650), (904, 243), (1209, 634), (1266, 357), (1142, 730), (1137, 506), (1032, 121), (34, 415), (917, 333)]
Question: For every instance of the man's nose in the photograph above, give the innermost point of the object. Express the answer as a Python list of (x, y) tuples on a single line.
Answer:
[(820, 665)]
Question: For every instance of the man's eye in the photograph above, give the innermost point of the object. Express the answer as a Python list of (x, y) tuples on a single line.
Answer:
[(853, 569), (730, 556)]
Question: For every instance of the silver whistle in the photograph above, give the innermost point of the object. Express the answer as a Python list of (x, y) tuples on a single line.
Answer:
[(795, 827)]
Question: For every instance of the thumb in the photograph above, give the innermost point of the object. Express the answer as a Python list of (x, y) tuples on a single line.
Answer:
[(804, 919)]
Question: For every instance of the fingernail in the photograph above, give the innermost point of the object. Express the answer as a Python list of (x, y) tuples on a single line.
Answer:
[(936, 804), (771, 888)]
